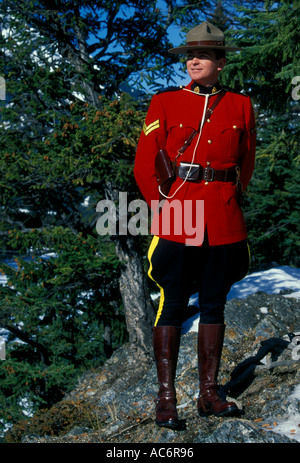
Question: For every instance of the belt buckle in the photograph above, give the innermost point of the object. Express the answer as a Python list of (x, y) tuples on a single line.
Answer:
[(208, 174), (194, 171)]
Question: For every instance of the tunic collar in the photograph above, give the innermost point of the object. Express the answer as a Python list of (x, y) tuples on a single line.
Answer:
[(197, 88)]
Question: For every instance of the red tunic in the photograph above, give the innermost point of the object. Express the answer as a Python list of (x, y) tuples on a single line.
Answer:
[(228, 139)]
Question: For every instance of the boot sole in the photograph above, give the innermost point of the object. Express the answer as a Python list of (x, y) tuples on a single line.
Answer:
[(230, 411), (172, 424)]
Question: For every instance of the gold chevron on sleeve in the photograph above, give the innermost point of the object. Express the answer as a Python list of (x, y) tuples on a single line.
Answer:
[(148, 128)]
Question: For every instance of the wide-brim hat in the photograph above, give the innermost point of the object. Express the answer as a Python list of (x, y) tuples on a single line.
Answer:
[(206, 35)]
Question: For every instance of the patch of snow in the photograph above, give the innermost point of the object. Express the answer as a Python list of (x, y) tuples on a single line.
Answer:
[(288, 425), (272, 281)]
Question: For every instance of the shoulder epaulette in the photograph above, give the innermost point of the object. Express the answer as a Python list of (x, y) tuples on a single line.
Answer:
[(233, 90), (169, 89)]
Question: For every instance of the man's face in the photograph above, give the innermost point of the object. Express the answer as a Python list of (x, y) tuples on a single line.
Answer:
[(203, 67)]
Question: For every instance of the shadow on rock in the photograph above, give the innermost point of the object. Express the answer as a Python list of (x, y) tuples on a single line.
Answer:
[(243, 374)]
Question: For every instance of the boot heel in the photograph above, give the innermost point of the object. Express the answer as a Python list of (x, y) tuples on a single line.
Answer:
[(202, 411), (203, 414), (177, 425)]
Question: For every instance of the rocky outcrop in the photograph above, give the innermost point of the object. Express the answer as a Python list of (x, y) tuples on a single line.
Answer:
[(259, 370)]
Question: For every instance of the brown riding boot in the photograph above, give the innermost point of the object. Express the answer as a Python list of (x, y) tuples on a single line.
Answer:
[(166, 340), (210, 344)]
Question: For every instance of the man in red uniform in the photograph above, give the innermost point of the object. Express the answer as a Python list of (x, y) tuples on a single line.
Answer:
[(208, 133)]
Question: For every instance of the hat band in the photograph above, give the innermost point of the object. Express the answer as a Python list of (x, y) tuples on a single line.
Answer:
[(207, 42)]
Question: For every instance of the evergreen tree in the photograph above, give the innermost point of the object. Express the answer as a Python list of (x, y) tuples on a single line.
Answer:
[(62, 305), (68, 139), (265, 70)]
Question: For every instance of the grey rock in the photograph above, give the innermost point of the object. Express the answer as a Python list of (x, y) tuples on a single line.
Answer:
[(259, 370), (243, 432)]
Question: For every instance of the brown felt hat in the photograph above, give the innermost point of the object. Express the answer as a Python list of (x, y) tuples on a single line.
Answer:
[(203, 36)]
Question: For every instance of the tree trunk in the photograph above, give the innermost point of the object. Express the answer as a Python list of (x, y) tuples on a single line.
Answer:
[(138, 308), (139, 311)]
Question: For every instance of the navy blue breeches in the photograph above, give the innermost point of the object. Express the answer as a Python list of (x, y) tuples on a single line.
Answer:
[(180, 271)]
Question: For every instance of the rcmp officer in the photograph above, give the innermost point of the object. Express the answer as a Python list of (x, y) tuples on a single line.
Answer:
[(212, 152)]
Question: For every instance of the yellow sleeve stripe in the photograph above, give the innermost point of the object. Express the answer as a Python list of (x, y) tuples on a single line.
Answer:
[(148, 128)]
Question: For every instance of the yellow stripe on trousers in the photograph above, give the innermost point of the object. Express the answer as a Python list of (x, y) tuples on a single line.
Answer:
[(151, 250)]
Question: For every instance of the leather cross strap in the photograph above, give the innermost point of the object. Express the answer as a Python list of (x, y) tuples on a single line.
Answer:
[(208, 113)]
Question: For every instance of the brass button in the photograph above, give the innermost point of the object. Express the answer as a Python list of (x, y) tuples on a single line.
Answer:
[(181, 125), (209, 142), (208, 120), (206, 183), (208, 163), (235, 127)]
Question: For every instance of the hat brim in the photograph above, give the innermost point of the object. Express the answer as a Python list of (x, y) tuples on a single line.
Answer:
[(184, 49)]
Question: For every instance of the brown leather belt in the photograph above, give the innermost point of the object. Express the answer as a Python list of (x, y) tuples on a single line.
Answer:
[(197, 173)]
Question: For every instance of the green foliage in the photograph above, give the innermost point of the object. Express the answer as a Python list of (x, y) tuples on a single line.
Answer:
[(63, 146), (269, 35), (118, 37), (273, 204), (68, 139), (56, 310), (59, 420), (62, 303)]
